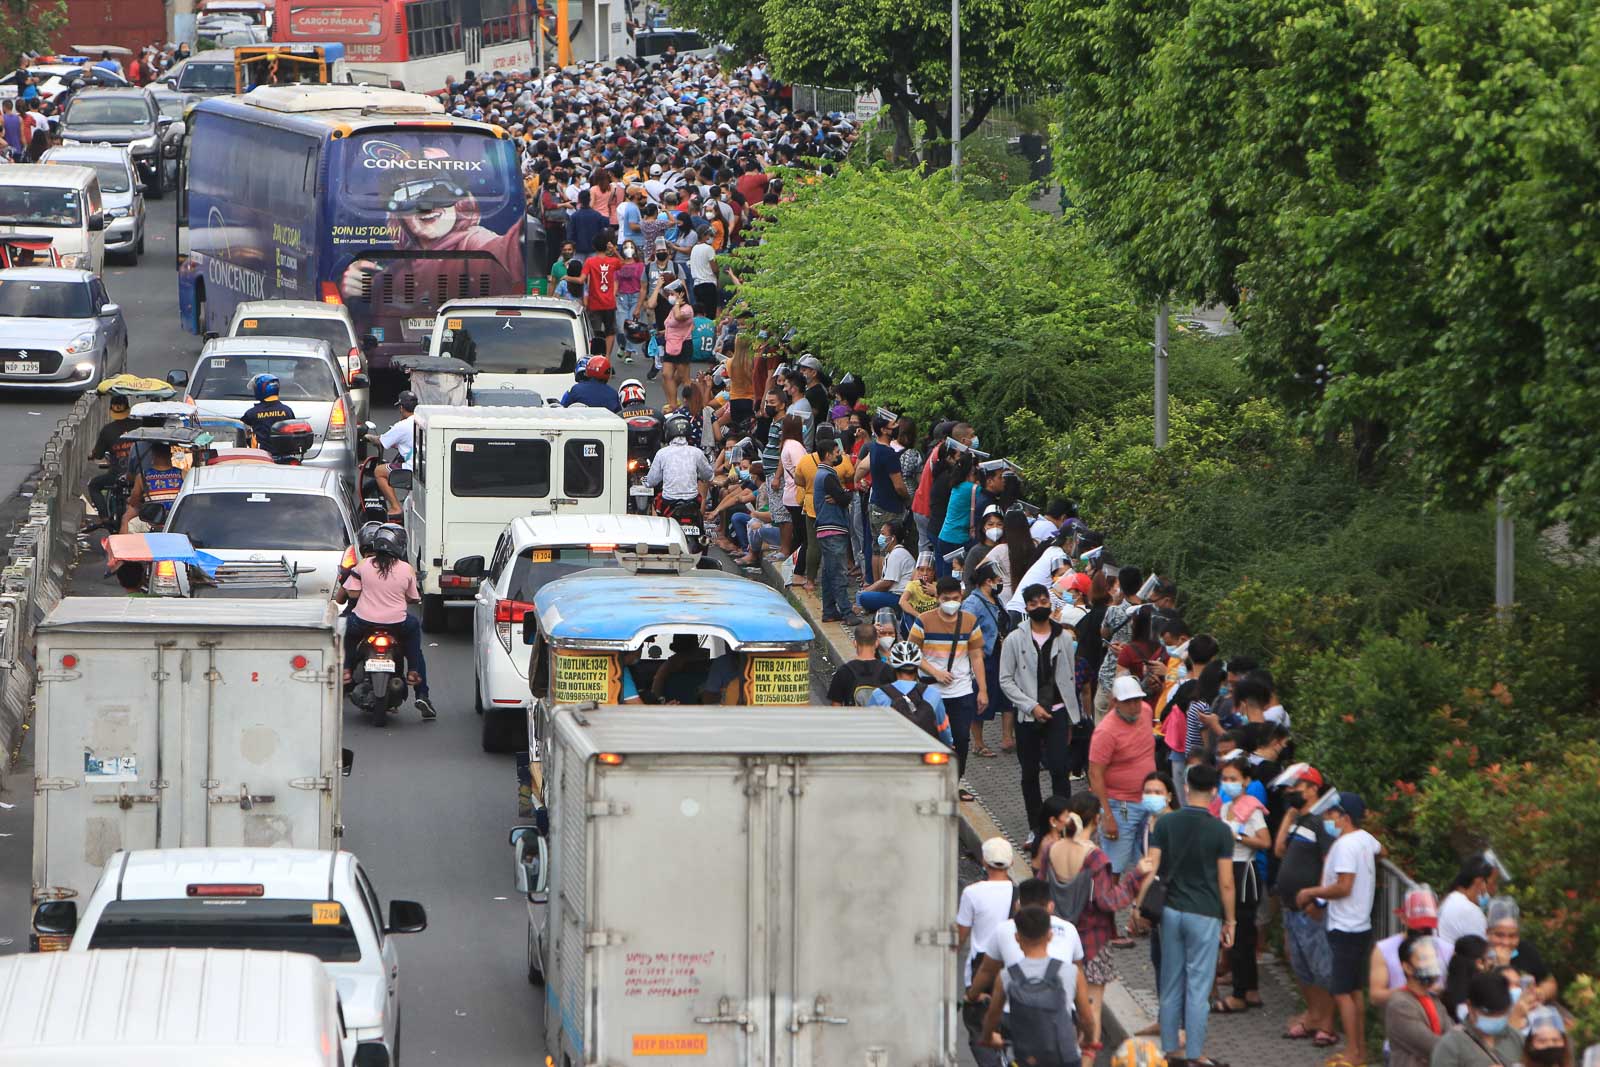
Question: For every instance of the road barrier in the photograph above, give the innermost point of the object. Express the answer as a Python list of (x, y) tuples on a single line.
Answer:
[(39, 553)]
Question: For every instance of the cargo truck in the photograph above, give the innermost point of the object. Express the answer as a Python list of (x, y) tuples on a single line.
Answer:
[(751, 887), (166, 723)]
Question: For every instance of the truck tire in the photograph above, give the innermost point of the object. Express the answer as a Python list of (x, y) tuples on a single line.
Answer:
[(433, 613), (535, 975), (477, 694), (504, 730)]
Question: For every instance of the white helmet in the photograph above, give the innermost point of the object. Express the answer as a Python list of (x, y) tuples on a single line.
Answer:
[(903, 655)]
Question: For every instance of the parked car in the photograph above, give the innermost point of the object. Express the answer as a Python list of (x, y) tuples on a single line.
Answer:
[(53, 79), (58, 330), (121, 193)]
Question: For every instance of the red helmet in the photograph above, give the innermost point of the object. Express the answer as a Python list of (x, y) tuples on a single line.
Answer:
[(599, 368)]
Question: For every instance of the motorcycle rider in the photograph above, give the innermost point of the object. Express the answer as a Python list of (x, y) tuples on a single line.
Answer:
[(383, 585), (113, 452), (157, 482), (679, 470), (595, 390), (632, 395), (267, 409), (403, 438)]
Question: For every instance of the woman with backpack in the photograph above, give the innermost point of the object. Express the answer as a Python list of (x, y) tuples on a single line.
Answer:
[(1088, 895)]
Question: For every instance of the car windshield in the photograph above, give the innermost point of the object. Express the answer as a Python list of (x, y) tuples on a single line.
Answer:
[(228, 378), (538, 567), (108, 111), (44, 300), (171, 105), (260, 520), (306, 926), (206, 76), (526, 344), (39, 205), (113, 176), (333, 331)]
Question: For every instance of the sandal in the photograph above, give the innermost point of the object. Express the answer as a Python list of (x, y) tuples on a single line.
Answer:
[(967, 795), (1225, 1006), (1325, 1039), (1296, 1032), (1123, 942), (985, 750)]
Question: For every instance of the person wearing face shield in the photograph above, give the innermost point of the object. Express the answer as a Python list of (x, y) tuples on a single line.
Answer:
[(1490, 1036), (1414, 1017)]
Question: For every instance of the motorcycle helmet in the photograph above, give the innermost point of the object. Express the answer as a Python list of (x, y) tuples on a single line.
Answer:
[(263, 386), (390, 540), (677, 427), (635, 331), (581, 371), (366, 535), (599, 368), (631, 392), (903, 655)]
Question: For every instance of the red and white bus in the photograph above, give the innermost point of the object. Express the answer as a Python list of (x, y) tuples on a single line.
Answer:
[(415, 43)]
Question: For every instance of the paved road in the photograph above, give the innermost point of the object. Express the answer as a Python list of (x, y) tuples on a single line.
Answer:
[(148, 294)]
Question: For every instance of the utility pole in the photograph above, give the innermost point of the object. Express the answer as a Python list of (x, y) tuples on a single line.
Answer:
[(1161, 375), (1505, 558), (955, 91)]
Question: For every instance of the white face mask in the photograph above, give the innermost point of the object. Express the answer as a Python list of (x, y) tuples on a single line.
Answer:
[(885, 640), (993, 533), (949, 607)]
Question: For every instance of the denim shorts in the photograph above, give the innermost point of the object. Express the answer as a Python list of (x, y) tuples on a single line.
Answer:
[(1309, 954)]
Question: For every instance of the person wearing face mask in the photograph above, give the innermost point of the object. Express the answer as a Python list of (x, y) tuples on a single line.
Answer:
[(1414, 1018), (854, 683), (1301, 846), (1510, 948), (1461, 912), (895, 565), (1349, 881), (630, 284), (887, 624), (1246, 817), (952, 655), (995, 623), (1037, 675), (991, 527), (1488, 1038), (1547, 1044)]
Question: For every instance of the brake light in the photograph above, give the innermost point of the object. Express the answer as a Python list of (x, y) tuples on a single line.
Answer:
[(166, 576), (336, 420), (352, 362), (508, 613), (381, 642), (227, 889), (936, 759), (348, 560), (633, 465), (509, 314), (610, 759), (54, 942), (602, 548), (330, 293)]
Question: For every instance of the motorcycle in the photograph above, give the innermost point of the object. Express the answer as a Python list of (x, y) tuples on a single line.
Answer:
[(289, 441), (644, 439), (374, 508), (378, 680), (686, 513)]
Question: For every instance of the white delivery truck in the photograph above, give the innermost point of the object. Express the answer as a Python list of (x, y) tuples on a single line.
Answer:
[(166, 723), (477, 468), (769, 887), (158, 1007)]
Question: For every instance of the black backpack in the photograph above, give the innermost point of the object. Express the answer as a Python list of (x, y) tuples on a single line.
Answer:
[(914, 707)]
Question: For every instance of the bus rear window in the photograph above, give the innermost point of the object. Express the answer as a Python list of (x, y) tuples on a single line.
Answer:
[(524, 344), (485, 466), (229, 922)]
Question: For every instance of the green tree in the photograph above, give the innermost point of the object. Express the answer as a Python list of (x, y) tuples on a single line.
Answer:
[(740, 26), (28, 26)]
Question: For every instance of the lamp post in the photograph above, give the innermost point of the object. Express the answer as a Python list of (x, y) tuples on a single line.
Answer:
[(955, 91)]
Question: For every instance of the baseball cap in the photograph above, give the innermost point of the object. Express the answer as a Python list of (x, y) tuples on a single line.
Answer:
[(1296, 773), (1420, 909), (1080, 582), (810, 361), (997, 852), (1352, 805), (661, 244), (119, 403), (1127, 687)]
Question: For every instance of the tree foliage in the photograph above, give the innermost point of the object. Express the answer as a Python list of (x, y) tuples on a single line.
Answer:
[(944, 303), (28, 26), (740, 26)]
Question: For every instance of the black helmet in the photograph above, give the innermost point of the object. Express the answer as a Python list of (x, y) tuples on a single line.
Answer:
[(677, 426), (407, 400), (635, 331), (390, 540), (365, 536)]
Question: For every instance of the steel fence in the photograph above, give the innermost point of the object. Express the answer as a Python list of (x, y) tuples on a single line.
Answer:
[(39, 554), (822, 99)]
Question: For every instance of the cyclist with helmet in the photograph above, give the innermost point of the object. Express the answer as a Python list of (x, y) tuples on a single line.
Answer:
[(383, 585), (679, 470), (402, 438), (267, 409), (595, 390), (910, 696)]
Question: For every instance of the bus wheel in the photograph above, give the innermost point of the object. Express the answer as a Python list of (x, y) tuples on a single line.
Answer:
[(433, 613)]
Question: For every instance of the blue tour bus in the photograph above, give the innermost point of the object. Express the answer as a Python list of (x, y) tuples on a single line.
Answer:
[(362, 196)]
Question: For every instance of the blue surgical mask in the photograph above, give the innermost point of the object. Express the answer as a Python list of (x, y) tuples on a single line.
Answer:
[(1483, 901), (1330, 828), (1154, 803), (744, 475), (1492, 1024), (1516, 994), (883, 542), (1230, 790), (975, 443)]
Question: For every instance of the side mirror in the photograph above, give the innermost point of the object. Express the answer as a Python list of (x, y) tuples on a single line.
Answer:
[(109, 310), (400, 479), (406, 917), (178, 379), (139, 187), (58, 917), (347, 760), (533, 854), (210, 335), (359, 381), (97, 222), (469, 567), (371, 1054), (171, 83), (165, 120)]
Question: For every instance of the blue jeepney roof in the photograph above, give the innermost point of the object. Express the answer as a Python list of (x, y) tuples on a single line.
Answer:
[(618, 606)]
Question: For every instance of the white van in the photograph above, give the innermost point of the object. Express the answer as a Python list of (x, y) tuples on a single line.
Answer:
[(158, 1007), (477, 468), (515, 342), (59, 203)]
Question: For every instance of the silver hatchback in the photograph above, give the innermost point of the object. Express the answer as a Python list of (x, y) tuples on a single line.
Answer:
[(58, 330), (121, 191), (311, 382)]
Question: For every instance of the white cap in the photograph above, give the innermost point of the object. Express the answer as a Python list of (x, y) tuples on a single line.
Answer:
[(1127, 687), (997, 852)]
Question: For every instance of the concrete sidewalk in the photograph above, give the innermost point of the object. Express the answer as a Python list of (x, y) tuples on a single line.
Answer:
[(1244, 1040)]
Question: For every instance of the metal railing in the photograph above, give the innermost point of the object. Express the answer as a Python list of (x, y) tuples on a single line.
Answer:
[(823, 99), (1393, 885), (39, 553)]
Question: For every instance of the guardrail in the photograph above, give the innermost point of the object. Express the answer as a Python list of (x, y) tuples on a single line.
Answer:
[(39, 552), (1393, 885)]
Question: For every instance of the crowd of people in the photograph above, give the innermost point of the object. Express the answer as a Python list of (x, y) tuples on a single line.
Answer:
[(28, 120)]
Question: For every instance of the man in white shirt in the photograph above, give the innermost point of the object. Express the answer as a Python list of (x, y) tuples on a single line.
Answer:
[(986, 904), (1001, 949), (1039, 942), (401, 437), (1349, 881), (1461, 911)]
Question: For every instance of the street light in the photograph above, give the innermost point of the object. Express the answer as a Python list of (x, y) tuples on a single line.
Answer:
[(955, 91)]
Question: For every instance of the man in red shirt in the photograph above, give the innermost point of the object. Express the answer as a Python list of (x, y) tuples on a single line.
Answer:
[(1122, 751), (600, 290), (753, 182)]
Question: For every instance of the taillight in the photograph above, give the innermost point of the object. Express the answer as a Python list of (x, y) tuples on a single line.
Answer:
[(352, 365), (381, 642), (348, 560), (227, 889), (330, 293), (166, 577), (53, 942), (336, 420), (508, 613)]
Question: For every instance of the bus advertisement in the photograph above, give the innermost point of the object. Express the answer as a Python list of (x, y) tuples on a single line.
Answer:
[(364, 204)]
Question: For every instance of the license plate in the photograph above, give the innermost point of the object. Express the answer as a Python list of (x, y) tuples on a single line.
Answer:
[(30, 366), (425, 325), (691, 531), (380, 666)]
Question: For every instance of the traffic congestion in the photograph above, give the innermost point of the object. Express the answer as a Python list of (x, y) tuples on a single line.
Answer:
[(483, 629)]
